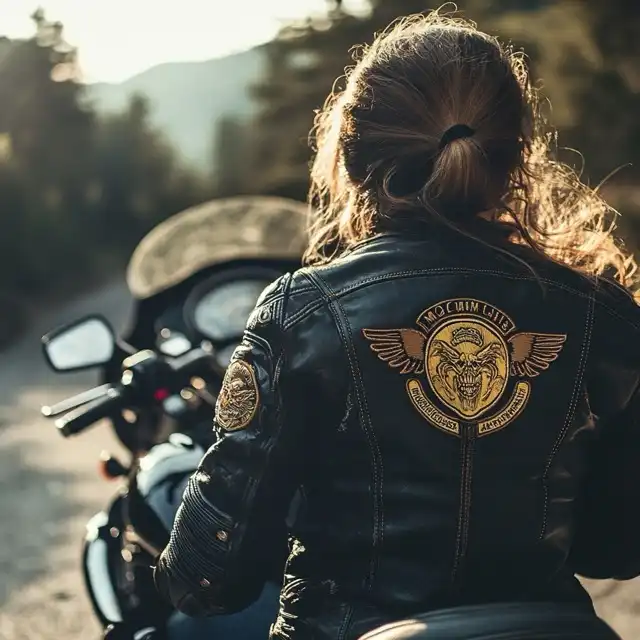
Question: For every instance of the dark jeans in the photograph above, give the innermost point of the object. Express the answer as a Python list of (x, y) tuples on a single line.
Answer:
[(251, 624)]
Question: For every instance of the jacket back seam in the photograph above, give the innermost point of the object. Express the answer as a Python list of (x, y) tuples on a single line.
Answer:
[(573, 403), (344, 329)]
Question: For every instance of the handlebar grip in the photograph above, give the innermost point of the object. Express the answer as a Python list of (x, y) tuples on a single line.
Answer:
[(80, 419), (193, 361)]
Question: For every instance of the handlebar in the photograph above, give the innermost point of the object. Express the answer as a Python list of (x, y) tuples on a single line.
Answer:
[(192, 362), (79, 419), (81, 399), (139, 378)]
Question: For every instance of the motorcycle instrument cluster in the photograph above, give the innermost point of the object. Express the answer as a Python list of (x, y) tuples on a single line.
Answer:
[(218, 309), (222, 312)]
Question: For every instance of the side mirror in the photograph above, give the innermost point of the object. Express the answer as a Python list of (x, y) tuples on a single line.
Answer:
[(83, 344)]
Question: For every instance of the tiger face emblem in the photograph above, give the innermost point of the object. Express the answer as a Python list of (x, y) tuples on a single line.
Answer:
[(470, 354), (467, 367)]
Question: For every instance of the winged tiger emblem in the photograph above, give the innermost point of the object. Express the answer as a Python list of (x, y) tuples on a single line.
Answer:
[(467, 359)]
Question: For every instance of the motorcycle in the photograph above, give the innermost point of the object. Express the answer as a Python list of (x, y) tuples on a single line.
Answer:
[(194, 280)]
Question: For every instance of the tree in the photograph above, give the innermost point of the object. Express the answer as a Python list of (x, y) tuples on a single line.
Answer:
[(50, 136), (610, 101), (586, 53), (74, 188), (139, 181), (230, 158), (302, 65)]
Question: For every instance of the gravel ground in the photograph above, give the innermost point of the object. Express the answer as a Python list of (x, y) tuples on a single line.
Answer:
[(50, 489)]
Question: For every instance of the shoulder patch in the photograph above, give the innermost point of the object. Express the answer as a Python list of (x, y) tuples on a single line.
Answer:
[(239, 397)]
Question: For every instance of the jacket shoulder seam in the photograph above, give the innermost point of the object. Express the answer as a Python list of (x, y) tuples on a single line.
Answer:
[(314, 305), (365, 282)]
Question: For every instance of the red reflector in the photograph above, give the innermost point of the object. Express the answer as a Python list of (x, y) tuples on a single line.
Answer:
[(161, 394), (110, 468), (105, 471), (102, 470)]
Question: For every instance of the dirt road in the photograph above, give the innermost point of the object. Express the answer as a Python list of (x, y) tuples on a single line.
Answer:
[(50, 488)]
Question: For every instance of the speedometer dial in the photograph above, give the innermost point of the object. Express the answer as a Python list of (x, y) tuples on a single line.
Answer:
[(222, 313)]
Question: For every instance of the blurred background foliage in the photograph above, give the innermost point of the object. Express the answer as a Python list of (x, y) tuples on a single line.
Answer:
[(79, 188), (586, 51)]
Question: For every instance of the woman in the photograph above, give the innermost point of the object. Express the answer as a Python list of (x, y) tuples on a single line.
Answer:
[(452, 381)]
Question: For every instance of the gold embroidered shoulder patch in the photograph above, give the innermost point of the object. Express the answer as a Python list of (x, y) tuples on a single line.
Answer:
[(239, 397), (472, 357)]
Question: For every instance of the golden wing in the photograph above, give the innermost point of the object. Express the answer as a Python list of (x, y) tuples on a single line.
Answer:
[(532, 353), (400, 348)]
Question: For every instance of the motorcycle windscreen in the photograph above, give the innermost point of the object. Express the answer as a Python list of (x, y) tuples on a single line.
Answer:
[(241, 228)]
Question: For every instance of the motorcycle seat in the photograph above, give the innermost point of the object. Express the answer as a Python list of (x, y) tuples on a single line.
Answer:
[(504, 621)]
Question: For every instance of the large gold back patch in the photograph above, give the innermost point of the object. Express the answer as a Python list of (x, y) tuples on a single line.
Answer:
[(475, 363)]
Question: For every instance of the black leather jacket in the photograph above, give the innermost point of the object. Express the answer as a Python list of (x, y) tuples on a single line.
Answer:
[(464, 430)]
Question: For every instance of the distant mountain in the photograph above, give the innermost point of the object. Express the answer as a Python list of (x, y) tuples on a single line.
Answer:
[(188, 98)]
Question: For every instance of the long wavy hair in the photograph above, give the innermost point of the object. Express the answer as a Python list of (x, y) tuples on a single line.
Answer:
[(385, 151)]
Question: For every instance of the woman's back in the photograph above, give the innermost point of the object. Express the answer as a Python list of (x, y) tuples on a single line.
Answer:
[(449, 424), (451, 381)]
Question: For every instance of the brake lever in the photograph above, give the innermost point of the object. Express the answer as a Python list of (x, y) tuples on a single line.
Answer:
[(198, 386), (51, 411)]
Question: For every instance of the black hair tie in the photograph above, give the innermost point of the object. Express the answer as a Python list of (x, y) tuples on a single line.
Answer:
[(456, 132)]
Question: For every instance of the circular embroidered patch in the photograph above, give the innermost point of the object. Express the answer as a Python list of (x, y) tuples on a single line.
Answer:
[(479, 368), (239, 398)]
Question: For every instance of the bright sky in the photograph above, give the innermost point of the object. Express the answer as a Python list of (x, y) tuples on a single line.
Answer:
[(119, 38)]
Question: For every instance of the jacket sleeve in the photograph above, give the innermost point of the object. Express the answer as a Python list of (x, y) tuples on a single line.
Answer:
[(607, 525), (231, 520), (607, 543)]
